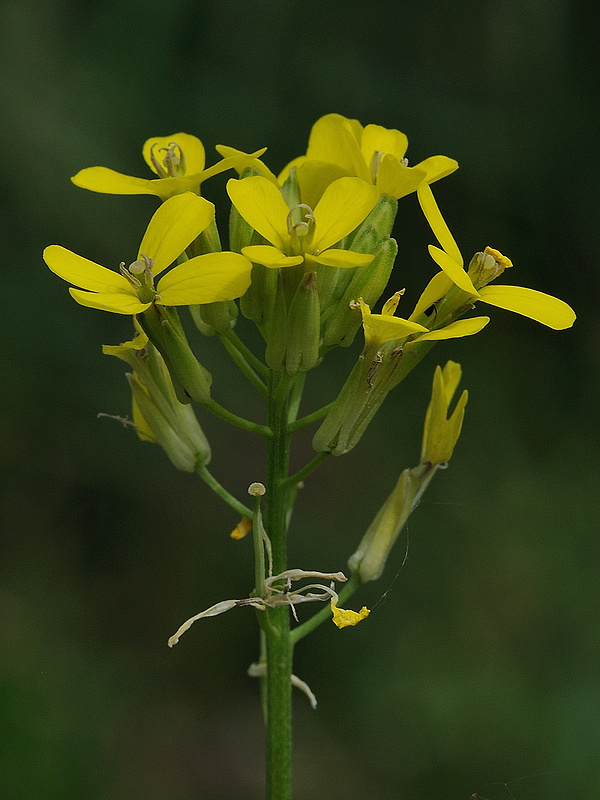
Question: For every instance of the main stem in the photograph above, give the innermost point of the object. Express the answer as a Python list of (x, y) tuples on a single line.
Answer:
[(277, 630)]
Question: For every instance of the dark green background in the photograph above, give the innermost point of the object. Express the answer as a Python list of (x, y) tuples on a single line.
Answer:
[(481, 666)]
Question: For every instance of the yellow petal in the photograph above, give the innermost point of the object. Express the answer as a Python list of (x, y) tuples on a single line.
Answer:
[(437, 287), (239, 162), (191, 146), (453, 270), (270, 256), (463, 327), (243, 527), (175, 224), (438, 225), (375, 138), (344, 205), (110, 301), (341, 258), (333, 140), (205, 279), (84, 273), (541, 307), (107, 181), (437, 167), (246, 160), (380, 329), (261, 204), (314, 177), (395, 179)]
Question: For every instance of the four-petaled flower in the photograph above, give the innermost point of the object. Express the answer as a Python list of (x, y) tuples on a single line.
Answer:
[(177, 160), (485, 267), (341, 147), (176, 223), (301, 233)]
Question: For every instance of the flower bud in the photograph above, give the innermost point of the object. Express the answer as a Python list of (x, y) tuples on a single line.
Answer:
[(211, 318), (341, 321), (381, 220), (303, 332)]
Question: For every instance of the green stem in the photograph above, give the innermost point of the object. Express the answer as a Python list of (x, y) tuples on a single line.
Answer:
[(325, 613), (254, 362), (241, 361), (318, 414), (220, 411), (293, 480), (214, 484), (277, 632)]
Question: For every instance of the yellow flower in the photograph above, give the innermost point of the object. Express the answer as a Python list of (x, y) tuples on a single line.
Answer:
[(177, 160), (484, 268), (300, 234), (176, 223), (385, 327), (342, 147)]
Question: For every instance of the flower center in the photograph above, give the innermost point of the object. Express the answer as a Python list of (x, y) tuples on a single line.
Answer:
[(173, 162), (139, 275), (301, 225)]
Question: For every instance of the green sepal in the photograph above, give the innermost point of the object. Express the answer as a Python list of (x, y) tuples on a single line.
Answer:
[(241, 233), (191, 381), (208, 241), (276, 327), (258, 302), (303, 330)]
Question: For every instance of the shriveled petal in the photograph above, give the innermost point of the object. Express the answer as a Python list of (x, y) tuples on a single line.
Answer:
[(437, 287), (541, 307), (205, 279), (452, 269), (344, 205), (341, 258), (463, 327), (437, 167), (107, 181), (438, 225), (191, 146), (84, 273), (114, 302), (175, 224), (376, 138), (395, 179), (270, 256), (261, 204)]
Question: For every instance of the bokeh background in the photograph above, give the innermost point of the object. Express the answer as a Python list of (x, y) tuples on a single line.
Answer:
[(478, 670)]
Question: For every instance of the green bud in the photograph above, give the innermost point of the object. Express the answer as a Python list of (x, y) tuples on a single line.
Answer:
[(341, 322), (276, 326), (211, 318), (258, 302), (303, 332), (381, 220)]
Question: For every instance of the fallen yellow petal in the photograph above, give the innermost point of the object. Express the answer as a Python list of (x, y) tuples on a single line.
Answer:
[(345, 618), (243, 527)]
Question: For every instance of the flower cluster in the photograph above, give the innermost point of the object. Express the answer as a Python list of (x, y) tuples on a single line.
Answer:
[(311, 253)]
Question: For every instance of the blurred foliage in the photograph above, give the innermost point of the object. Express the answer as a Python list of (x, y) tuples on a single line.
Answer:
[(477, 670)]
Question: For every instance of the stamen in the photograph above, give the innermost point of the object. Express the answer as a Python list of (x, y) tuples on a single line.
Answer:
[(300, 221), (131, 278), (174, 160), (156, 163)]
